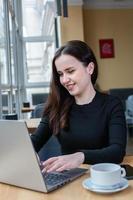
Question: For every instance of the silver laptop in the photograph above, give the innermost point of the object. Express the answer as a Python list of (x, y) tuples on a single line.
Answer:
[(19, 164)]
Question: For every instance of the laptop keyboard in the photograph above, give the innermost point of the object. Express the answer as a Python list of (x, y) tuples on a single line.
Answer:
[(65, 176), (55, 178)]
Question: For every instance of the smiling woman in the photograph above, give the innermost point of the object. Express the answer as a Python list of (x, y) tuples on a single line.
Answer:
[(70, 71), (89, 125)]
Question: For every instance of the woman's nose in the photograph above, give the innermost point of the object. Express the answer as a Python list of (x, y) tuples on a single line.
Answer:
[(65, 79)]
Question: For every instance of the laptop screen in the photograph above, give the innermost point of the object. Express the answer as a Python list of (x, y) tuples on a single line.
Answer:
[(18, 160)]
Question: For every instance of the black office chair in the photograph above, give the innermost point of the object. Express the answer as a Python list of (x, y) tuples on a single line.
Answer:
[(122, 94), (52, 147)]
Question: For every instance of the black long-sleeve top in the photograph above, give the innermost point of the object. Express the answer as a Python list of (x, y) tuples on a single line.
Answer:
[(97, 129)]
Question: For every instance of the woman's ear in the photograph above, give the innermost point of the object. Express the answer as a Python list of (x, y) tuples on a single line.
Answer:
[(90, 68)]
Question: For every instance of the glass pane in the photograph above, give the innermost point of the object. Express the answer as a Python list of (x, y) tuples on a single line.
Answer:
[(5, 102), (3, 64), (39, 56), (37, 95), (41, 13)]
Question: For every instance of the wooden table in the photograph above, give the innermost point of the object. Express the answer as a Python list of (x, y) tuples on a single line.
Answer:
[(32, 124), (72, 191)]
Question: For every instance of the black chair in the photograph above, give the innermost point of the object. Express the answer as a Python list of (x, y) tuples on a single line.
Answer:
[(52, 147), (38, 111), (122, 94)]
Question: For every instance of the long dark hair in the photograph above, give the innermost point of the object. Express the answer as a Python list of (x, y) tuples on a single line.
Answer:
[(59, 100)]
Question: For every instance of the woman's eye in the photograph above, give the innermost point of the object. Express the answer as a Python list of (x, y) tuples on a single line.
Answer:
[(60, 75), (71, 71)]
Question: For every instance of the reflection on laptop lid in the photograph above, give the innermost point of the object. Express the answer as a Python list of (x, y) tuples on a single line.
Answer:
[(19, 165)]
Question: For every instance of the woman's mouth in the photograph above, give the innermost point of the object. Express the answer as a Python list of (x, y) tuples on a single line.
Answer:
[(70, 87)]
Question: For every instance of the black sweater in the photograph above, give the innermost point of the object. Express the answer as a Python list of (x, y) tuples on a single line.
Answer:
[(97, 129)]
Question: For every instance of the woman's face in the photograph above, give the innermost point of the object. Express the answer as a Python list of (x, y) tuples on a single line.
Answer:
[(74, 76)]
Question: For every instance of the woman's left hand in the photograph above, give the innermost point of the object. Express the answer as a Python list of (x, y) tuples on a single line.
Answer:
[(63, 162)]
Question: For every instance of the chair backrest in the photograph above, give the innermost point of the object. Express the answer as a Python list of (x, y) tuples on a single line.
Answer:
[(38, 111), (129, 105), (122, 94), (52, 147)]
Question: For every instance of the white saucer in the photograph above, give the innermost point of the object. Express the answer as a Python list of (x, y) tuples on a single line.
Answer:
[(87, 184)]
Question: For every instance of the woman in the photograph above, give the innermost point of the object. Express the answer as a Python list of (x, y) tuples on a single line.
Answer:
[(89, 125)]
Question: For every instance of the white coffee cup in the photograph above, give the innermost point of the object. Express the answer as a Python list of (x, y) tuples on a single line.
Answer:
[(106, 174)]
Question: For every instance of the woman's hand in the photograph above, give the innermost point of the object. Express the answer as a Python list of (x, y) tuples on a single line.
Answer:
[(64, 162)]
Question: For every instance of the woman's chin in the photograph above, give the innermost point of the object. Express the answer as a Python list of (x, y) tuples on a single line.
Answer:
[(73, 93)]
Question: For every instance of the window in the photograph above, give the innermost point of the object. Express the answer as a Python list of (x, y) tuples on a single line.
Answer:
[(39, 44)]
